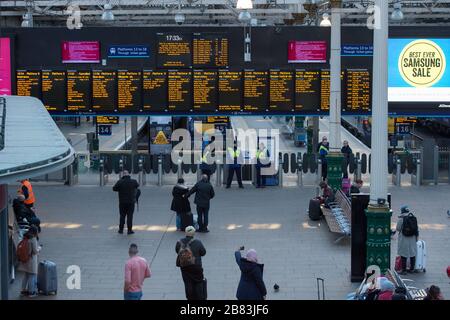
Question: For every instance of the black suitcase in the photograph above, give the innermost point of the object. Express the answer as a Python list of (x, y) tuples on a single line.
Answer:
[(314, 211), (187, 220)]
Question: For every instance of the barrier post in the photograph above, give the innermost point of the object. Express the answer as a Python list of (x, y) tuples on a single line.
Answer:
[(120, 168), (280, 172), (160, 169), (299, 172), (218, 173), (319, 171), (398, 172), (436, 165), (199, 172), (419, 173), (180, 169), (101, 168), (141, 173)]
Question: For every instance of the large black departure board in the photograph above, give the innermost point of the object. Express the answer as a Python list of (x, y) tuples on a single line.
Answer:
[(54, 95), (104, 88), (28, 83), (154, 90), (230, 91), (78, 91), (210, 50), (179, 91), (325, 90), (307, 91), (281, 91), (358, 89), (174, 50), (129, 90), (255, 91), (205, 91)]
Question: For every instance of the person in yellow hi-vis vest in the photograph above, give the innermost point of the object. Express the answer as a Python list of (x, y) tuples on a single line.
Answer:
[(262, 155), (234, 161)]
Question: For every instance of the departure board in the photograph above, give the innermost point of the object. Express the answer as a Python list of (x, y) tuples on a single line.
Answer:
[(325, 90), (307, 91), (210, 50), (281, 91), (174, 50), (129, 90), (230, 91), (78, 90), (255, 91), (54, 95), (205, 91), (358, 88), (28, 83), (179, 91), (104, 87), (154, 90)]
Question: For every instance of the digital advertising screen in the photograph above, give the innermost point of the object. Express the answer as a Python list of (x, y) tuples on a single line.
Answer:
[(418, 70), (307, 52), (80, 51)]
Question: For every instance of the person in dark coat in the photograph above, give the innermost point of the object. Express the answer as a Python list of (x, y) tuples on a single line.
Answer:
[(356, 186), (346, 152), (23, 212), (127, 189), (193, 281), (181, 205), (251, 285), (204, 192), (196, 246)]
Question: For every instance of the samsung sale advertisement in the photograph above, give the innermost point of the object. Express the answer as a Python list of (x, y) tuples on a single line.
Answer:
[(418, 70)]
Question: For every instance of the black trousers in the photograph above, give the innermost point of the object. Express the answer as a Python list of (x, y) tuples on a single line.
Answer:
[(324, 170), (231, 171), (202, 214), (404, 263), (126, 211), (260, 180)]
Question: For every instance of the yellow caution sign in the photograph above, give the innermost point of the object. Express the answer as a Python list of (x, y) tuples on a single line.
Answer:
[(161, 138), (391, 125)]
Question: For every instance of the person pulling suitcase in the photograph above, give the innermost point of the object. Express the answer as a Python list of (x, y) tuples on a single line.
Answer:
[(408, 230)]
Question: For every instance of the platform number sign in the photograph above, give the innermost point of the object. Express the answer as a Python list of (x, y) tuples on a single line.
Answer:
[(104, 130), (403, 128)]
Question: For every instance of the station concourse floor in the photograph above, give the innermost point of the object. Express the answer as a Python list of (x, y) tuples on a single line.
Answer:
[(79, 227)]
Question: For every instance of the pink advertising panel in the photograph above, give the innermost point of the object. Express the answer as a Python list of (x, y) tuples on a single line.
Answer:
[(5, 66), (80, 52), (307, 52)]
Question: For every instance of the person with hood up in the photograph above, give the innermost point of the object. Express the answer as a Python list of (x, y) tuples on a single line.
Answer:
[(181, 205), (251, 285), (407, 245)]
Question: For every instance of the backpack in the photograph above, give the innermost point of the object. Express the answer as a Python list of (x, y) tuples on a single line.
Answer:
[(185, 256), (410, 227), (23, 250)]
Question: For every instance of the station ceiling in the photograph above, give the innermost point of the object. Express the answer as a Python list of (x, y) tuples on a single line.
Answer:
[(214, 12)]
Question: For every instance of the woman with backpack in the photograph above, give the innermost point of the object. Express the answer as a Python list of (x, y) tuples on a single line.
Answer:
[(408, 234), (181, 205), (27, 252), (251, 286)]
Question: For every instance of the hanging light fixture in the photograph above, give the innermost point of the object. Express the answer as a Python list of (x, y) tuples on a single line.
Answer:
[(179, 16), (397, 14), (244, 4), (107, 14), (326, 22), (27, 20), (244, 16)]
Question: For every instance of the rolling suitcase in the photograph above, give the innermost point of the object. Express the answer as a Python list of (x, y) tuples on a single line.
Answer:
[(187, 219), (421, 256), (47, 279), (314, 211)]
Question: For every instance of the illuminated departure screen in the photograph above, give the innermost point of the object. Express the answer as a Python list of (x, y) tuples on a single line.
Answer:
[(78, 90), (28, 83), (210, 50), (358, 88), (104, 85), (230, 91), (325, 90), (128, 90), (205, 91), (154, 86), (255, 91), (307, 90), (174, 50), (54, 90), (281, 91), (179, 91)]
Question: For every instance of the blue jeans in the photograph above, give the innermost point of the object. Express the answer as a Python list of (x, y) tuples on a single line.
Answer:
[(178, 221), (132, 295), (29, 282)]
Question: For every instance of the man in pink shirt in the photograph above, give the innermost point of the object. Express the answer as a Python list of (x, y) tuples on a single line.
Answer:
[(136, 270)]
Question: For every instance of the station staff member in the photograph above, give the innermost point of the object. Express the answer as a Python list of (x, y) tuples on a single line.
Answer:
[(234, 161), (27, 191), (262, 156), (205, 166)]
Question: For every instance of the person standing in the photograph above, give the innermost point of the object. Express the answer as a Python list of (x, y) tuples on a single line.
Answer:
[(127, 189), (346, 152), (408, 234), (194, 245), (27, 190), (323, 152), (204, 192), (30, 264), (136, 271), (205, 167), (262, 155), (234, 161), (181, 205), (251, 285)]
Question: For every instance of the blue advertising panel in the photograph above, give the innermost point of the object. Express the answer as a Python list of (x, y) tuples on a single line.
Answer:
[(128, 51), (418, 70)]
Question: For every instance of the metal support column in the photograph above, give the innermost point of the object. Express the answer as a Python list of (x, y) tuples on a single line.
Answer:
[(134, 139), (160, 171), (101, 170), (4, 241)]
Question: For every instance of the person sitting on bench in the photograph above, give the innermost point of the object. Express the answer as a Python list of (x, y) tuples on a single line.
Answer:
[(23, 212)]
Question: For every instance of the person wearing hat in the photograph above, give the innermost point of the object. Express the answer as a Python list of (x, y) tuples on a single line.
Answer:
[(128, 190), (195, 245), (251, 285), (407, 245)]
